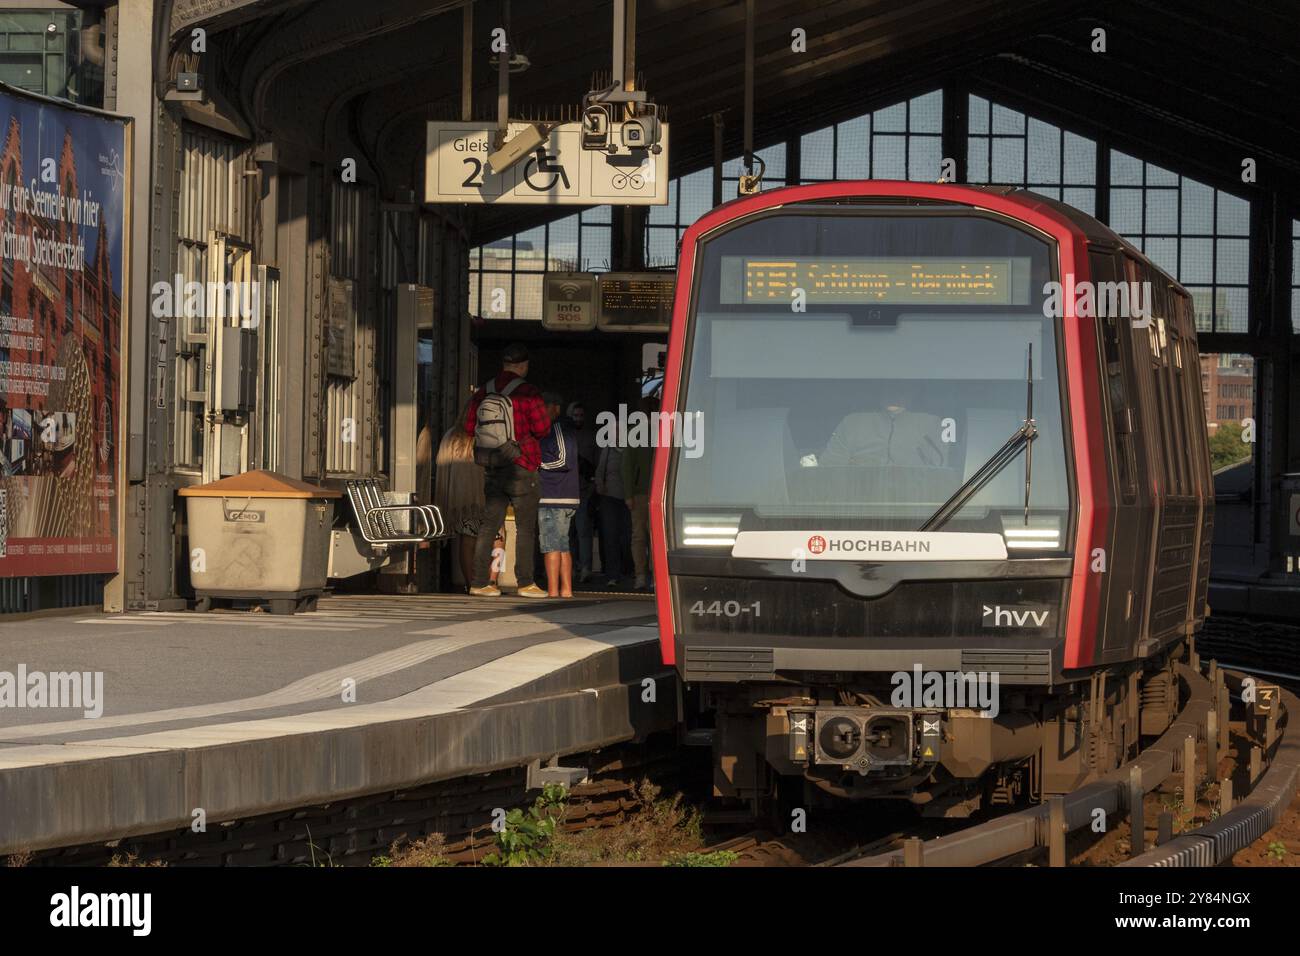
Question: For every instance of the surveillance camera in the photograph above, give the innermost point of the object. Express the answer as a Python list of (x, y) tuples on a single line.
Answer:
[(515, 149), (634, 135)]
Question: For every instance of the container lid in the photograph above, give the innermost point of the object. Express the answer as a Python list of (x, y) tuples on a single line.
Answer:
[(258, 484)]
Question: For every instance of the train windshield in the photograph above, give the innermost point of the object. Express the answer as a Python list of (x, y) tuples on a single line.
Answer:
[(853, 369)]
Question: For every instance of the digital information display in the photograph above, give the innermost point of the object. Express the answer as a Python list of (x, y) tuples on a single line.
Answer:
[(877, 281), (636, 301)]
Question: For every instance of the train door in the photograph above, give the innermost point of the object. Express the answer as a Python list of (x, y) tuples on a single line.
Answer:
[(1129, 557)]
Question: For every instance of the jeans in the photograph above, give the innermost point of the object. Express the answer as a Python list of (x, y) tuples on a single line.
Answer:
[(553, 525), (505, 485), (615, 534), (582, 524)]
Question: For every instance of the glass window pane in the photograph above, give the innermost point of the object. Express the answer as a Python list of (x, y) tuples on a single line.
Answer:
[(1232, 264), (1198, 208), (1124, 169), (852, 154), (1202, 308), (1231, 310), (1196, 264), (660, 247), (977, 160), (595, 249), (924, 159), (530, 249), (978, 108), (1051, 192), (1008, 160), (562, 245), (496, 295), (1234, 216), (696, 195), (1044, 146), (1162, 211), (528, 297), (1164, 253), (596, 214), (1007, 121), (891, 119), (817, 155), (1083, 199), (1126, 212), (774, 157), (927, 113), (889, 159), (1295, 310), (665, 215), (1080, 159), (1157, 176), (473, 293), (498, 255)]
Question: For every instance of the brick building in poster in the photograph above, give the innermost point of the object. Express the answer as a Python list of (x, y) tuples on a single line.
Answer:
[(76, 324)]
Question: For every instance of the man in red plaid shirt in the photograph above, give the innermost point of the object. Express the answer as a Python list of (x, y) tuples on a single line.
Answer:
[(513, 484)]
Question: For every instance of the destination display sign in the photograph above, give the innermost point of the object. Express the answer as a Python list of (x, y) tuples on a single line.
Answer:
[(875, 281), (636, 301)]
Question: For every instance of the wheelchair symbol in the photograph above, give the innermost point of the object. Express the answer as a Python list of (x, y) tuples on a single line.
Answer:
[(624, 180), (544, 162)]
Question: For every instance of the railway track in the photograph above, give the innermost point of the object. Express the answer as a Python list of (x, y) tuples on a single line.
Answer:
[(1047, 825)]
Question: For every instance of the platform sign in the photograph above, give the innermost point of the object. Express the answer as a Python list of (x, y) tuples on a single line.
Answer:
[(569, 302), (1295, 516), (636, 301), (558, 173)]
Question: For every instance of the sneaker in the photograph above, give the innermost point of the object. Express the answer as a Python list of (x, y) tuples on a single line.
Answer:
[(639, 585), (532, 591), (490, 590)]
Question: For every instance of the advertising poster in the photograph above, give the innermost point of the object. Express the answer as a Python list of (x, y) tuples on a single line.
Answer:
[(62, 193)]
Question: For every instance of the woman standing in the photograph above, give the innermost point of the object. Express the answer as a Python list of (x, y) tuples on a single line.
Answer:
[(458, 494)]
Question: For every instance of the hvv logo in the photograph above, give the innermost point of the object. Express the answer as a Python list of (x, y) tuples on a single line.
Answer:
[(1014, 616)]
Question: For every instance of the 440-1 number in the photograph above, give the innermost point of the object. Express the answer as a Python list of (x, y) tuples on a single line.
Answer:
[(725, 608)]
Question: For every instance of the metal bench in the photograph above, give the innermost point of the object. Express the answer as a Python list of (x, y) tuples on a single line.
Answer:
[(375, 516)]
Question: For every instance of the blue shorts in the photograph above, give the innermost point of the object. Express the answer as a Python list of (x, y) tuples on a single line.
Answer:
[(553, 528)]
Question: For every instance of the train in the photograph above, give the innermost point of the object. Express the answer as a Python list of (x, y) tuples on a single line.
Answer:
[(945, 531)]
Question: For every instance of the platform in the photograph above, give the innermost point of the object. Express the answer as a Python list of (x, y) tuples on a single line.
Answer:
[(241, 713)]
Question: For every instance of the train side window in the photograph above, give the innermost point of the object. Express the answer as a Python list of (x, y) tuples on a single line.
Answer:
[(1119, 386)]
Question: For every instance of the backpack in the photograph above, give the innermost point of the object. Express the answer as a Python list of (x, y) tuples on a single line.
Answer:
[(494, 426)]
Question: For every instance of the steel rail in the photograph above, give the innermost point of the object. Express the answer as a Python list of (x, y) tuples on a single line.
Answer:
[(1027, 829), (1218, 840)]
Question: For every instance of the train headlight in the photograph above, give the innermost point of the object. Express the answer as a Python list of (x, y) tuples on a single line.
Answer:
[(710, 531), (1038, 535)]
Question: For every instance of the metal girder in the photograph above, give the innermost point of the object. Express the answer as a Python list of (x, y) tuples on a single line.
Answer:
[(333, 26)]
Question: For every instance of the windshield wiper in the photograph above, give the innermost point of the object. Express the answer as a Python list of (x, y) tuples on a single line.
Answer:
[(1022, 438)]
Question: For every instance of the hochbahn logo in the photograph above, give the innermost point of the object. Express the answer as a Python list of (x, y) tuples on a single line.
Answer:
[(817, 544)]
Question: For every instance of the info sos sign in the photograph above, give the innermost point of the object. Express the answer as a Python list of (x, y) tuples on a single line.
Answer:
[(557, 173)]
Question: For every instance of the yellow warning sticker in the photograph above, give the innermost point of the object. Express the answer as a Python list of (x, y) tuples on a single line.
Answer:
[(928, 752)]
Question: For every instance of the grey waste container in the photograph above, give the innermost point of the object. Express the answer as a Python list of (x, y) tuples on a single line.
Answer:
[(259, 536)]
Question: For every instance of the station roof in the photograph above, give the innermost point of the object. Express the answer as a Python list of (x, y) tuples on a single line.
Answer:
[(1197, 85)]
